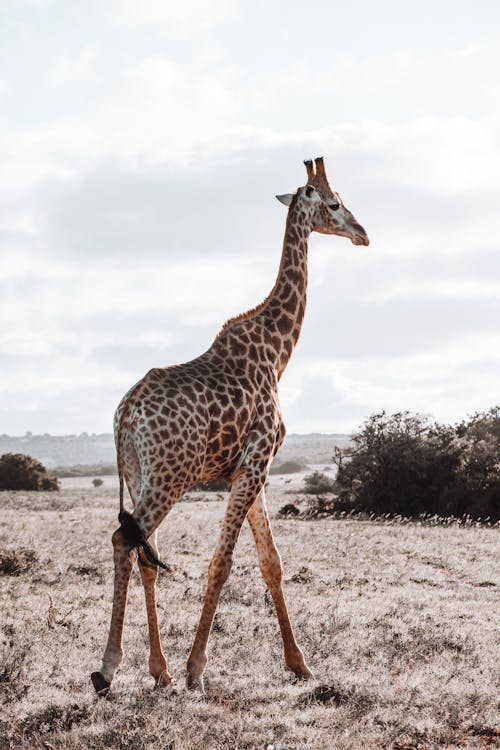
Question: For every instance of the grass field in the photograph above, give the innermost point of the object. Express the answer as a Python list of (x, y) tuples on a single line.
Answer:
[(399, 623)]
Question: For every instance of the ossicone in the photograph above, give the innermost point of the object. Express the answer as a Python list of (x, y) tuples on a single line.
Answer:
[(310, 169)]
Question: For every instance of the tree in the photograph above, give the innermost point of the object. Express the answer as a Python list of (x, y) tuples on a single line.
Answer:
[(19, 471), (403, 464), (318, 483), (476, 491)]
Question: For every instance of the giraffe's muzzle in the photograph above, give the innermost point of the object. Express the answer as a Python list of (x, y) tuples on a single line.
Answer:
[(358, 235)]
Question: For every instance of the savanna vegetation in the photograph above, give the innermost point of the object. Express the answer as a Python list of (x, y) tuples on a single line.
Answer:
[(393, 590), (399, 623), (404, 464), (85, 470), (21, 472)]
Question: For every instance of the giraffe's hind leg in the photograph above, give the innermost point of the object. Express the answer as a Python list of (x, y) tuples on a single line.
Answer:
[(272, 572), (149, 575), (113, 653), (157, 661), (124, 559), (123, 562)]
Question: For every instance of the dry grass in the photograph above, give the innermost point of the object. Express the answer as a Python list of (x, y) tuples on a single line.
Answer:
[(399, 623)]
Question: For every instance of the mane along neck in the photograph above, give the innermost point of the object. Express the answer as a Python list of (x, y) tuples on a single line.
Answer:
[(282, 311)]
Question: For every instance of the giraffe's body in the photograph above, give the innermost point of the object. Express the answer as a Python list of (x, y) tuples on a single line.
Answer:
[(190, 422), (218, 416)]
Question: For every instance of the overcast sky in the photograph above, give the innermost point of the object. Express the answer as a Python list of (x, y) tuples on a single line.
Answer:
[(141, 147)]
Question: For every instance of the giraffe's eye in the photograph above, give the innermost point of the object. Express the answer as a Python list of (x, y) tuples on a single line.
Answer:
[(334, 206)]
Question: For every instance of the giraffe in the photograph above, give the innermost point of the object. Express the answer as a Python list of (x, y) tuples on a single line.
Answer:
[(217, 416)]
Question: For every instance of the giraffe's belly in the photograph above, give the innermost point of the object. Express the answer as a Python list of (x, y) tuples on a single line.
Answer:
[(231, 424), (225, 444)]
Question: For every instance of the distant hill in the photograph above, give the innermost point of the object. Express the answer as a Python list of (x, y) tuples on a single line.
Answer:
[(90, 449), (63, 450), (315, 448)]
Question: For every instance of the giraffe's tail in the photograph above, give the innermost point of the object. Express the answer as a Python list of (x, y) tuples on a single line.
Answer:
[(119, 458), (135, 538)]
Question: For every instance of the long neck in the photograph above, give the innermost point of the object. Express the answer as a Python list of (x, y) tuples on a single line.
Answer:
[(283, 310)]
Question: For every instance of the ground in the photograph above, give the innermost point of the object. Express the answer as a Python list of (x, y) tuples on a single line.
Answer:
[(399, 623)]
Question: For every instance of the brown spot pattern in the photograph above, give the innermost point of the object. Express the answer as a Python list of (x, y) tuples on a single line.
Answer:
[(215, 416)]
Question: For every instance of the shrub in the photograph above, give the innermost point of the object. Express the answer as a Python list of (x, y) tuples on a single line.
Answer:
[(21, 472), (13, 670), (52, 719), (15, 562), (402, 464), (318, 484), (476, 491), (289, 509), (97, 482)]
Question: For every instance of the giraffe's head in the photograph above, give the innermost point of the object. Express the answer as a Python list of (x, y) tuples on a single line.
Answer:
[(324, 207)]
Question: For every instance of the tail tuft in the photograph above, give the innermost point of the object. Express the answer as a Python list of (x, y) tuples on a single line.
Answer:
[(131, 529), (135, 538)]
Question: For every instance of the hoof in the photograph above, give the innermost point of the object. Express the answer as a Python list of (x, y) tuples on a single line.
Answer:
[(100, 683), (302, 673), (164, 680), (195, 683)]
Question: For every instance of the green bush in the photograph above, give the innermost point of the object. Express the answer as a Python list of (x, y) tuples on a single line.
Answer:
[(21, 472), (476, 491), (404, 465), (318, 484), (15, 562)]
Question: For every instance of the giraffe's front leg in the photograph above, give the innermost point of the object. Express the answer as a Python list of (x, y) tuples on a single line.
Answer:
[(123, 561), (244, 491), (272, 572)]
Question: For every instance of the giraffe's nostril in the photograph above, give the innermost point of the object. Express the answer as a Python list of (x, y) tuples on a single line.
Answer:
[(358, 229)]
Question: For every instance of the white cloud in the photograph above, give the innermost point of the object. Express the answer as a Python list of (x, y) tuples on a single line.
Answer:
[(6, 5), (191, 18), (324, 394), (75, 69)]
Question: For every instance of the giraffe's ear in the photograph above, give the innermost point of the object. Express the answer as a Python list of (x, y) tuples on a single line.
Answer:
[(286, 198)]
